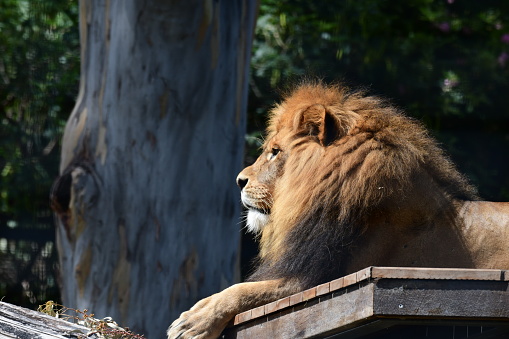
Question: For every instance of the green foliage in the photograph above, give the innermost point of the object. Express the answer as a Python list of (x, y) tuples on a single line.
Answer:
[(38, 81), (446, 62), (39, 75), (443, 62)]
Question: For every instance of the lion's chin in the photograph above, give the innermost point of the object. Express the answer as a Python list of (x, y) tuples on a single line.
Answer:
[(256, 221)]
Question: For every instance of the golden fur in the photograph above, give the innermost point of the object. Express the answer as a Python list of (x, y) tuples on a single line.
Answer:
[(345, 181), (374, 157)]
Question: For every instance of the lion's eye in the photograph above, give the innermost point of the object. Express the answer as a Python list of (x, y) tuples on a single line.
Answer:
[(275, 151)]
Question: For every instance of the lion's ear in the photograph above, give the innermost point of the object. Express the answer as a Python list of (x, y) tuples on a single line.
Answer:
[(316, 120)]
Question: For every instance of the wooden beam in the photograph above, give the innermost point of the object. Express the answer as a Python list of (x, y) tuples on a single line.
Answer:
[(436, 273), (473, 299), (19, 322), (383, 297)]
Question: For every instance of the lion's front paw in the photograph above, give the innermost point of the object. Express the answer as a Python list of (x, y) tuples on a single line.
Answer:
[(205, 320)]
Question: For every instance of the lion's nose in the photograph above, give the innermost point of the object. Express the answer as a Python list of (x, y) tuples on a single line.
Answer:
[(242, 181)]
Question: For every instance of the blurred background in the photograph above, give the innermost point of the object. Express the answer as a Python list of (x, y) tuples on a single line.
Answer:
[(444, 62)]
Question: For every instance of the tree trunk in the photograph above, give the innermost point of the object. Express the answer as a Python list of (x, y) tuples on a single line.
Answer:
[(146, 199)]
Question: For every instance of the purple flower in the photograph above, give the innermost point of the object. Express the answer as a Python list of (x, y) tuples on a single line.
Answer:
[(502, 58), (449, 84), (450, 1), (444, 27), (505, 38)]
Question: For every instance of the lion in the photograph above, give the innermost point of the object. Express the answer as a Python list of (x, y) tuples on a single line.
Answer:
[(346, 181)]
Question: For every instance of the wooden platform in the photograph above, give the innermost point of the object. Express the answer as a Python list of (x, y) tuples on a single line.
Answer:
[(388, 302), (21, 323)]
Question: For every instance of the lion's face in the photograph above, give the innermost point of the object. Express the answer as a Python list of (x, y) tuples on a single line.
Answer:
[(293, 131), (299, 131), (257, 183)]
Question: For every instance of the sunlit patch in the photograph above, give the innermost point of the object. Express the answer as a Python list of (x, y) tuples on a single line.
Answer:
[(256, 221)]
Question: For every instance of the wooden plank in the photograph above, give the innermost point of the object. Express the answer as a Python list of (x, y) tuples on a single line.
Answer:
[(282, 303), (322, 289), (364, 274), (376, 273), (244, 316), (309, 294), (382, 293), (271, 307), (442, 298), (350, 279), (19, 322), (337, 284), (315, 318), (296, 299), (300, 297), (435, 273), (258, 312)]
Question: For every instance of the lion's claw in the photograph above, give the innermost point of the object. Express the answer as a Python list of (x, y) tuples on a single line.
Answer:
[(176, 331), (175, 325)]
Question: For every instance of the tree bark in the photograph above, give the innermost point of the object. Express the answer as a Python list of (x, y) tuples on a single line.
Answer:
[(146, 199)]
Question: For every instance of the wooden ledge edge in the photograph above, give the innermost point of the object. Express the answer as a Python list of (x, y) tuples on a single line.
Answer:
[(302, 297), (372, 272), (437, 273)]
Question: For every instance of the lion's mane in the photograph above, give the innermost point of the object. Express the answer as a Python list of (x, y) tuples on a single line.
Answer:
[(374, 158)]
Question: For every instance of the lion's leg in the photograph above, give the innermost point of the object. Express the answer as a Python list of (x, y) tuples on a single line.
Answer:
[(208, 317)]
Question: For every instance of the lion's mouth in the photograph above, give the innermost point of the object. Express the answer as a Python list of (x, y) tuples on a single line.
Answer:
[(248, 203), (260, 210)]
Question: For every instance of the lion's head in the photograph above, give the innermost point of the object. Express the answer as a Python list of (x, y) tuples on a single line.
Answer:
[(332, 162)]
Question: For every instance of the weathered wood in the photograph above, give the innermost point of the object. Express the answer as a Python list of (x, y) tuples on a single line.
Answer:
[(441, 298), (22, 323), (435, 273), (148, 206), (317, 317), (380, 298)]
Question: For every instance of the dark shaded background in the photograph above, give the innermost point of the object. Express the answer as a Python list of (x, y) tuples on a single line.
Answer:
[(444, 62)]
